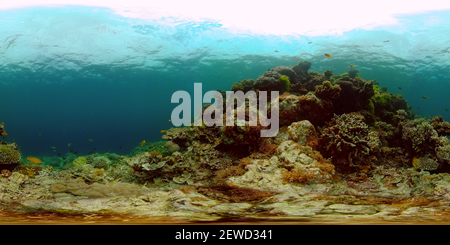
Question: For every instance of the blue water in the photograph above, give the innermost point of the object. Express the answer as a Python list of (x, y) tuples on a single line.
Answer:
[(73, 73)]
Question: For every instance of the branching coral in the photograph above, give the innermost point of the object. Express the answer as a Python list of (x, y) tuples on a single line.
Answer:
[(346, 139), (419, 136), (442, 127)]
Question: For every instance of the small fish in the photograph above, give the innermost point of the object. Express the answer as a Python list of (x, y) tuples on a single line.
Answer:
[(445, 109), (3, 123), (90, 139), (120, 147), (69, 144), (163, 131), (328, 55), (386, 41), (352, 65), (309, 42), (52, 147), (75, 152), (399, 88), (142, 143), (71, 150), (4, 133), (276, 51), (425, 97), (423, 124), (59, 154), (34, 160), (170, 120)]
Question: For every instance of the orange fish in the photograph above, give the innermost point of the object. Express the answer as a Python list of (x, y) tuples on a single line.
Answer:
[(34, 160), (352, 65), (4, 133), (3, 123), (163, 131), (328, 55), (142, 143)]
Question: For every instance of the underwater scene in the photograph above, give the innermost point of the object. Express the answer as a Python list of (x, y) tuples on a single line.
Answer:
[(195, 113)]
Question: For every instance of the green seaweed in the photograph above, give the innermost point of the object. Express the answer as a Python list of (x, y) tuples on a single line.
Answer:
[(285, 81)]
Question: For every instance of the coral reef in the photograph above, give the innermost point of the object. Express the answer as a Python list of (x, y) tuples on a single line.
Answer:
[(345, 146), (9, 156), (442, 127), (277, 79), (347, 140)]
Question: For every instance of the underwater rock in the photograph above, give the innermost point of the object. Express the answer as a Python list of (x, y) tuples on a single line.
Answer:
[(244, 85), (301, 69), (327, 90), (302, 132), (275, 80), (78, 187), (295, 108), (354, 96)]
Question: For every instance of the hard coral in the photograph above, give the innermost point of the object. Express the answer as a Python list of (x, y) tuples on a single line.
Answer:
[(305, 107), (275, 80), (327, 91), (354, 95), (425, 163), (346, 139), (301, 69), (419, 136), (442, 127), (244, 85), (9, 156)]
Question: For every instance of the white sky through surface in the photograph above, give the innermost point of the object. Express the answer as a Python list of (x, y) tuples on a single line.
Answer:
[(315, 17)]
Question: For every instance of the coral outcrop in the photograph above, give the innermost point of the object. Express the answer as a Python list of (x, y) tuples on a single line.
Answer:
[(9, 156), (344, 146)]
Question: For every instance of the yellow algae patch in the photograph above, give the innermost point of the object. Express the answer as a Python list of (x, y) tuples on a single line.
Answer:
[(79, 162)]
